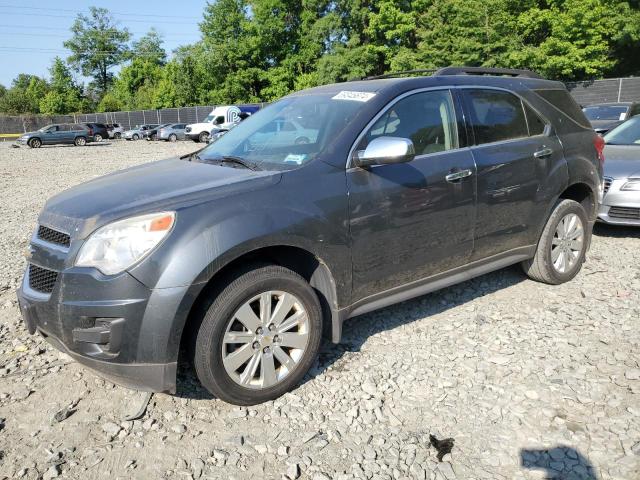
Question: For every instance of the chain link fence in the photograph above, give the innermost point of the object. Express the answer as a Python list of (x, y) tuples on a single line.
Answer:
[(585, 93)]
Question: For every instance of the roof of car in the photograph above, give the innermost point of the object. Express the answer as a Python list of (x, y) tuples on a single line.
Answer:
[(382, 84), (610, 104)]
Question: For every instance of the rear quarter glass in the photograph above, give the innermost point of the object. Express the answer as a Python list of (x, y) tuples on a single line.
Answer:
[(564, 102)]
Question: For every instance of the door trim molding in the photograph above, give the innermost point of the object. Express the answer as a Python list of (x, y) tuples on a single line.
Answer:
[(438, 281)]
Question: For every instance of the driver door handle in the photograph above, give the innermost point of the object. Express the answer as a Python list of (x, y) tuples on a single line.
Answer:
[(459, 175), (545, 152)]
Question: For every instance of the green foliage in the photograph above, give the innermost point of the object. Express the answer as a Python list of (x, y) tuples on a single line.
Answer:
[(98, 45), (64, 95), (260, 50)]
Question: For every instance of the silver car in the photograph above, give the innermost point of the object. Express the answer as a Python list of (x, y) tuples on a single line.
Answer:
[(172, 132), (137, 132), (621, 202)]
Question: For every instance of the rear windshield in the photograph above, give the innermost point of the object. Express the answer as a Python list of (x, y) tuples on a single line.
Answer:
[(606, 112), (563, 101), (626, 134)]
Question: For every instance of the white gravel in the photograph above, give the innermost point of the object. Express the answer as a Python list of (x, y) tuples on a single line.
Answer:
[(531, 381)]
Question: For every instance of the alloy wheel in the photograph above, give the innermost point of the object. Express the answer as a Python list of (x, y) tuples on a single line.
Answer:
[(567, 243), (265, 339)]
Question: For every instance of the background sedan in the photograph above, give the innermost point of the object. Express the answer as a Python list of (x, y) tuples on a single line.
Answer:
[(621, 202)]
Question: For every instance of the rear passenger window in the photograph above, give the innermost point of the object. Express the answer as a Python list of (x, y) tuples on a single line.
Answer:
[(427, 119), (563, 101), (536, 124), (495, 115)]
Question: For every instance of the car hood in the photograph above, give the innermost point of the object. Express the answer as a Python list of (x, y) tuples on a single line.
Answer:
[(155, 186), (621, 161)]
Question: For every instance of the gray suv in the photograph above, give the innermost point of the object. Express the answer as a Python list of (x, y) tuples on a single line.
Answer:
[(58, 134), (245, 251)]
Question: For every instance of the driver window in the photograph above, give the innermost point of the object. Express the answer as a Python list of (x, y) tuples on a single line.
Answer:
[(427, 119), (53, 128)]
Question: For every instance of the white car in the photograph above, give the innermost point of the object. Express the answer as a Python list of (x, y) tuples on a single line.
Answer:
[(284, 132)]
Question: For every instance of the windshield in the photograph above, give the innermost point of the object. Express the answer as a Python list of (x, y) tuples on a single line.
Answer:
[(626, 134), (286, 134), (606, 112)]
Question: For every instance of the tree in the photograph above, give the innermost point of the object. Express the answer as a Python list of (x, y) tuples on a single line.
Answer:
[(98, 46), (64, 95), (149, 48)]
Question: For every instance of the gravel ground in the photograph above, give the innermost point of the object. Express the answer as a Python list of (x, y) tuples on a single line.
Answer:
[(530, 381)]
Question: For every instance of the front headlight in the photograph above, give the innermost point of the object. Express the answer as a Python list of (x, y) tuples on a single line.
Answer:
[(632, 185), (118, 245)]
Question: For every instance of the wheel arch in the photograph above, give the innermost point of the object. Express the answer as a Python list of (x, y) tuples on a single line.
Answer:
[(582, 193), (300, 260)]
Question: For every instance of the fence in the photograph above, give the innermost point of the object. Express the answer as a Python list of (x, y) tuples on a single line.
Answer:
[(585, 93), (29, 123)]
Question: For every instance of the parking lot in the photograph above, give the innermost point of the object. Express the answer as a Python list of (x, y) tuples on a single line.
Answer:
[(531, 381)]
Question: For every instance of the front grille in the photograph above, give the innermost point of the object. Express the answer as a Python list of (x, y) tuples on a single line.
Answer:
[(607, 184), (53, 236), (41, 279), (625, 212)]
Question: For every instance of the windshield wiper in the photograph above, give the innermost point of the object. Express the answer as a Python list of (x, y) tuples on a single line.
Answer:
[(238, 161)]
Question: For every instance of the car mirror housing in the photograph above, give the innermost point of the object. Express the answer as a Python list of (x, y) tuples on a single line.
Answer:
[(386, 150)]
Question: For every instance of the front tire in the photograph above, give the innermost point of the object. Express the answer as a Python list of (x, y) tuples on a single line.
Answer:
[(203, 137), (97, 137), (34, 143), (259, 337), (173, 138), (117, 135), (135, 136), (562, 246)]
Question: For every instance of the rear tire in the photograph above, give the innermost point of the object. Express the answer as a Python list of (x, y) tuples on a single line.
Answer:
[(271, 366), (34, 143), (80, 142), (135, 136), (173, 138), (562, 246)]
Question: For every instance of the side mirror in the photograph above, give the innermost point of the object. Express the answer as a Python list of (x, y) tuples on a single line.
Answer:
[(386, 150)]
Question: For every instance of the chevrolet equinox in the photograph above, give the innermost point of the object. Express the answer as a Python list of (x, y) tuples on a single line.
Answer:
[(330, 203)]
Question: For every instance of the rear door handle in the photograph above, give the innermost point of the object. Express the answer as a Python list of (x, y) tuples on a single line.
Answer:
[(545, 152), (455, 176)]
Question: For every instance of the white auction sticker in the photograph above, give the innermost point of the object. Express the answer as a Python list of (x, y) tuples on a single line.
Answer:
[(355, 96)]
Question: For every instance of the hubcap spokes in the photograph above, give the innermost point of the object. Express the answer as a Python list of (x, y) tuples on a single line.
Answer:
[(567, 242), (265, 340)]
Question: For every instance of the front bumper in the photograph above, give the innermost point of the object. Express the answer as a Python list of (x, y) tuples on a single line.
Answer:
[(620, 207), (112, 324)]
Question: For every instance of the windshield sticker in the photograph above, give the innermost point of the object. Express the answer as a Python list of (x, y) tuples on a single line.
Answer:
[(354, 96), (297, 159)]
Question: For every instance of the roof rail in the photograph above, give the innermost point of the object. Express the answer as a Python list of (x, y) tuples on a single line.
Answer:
[(486, 71), (395, 74)]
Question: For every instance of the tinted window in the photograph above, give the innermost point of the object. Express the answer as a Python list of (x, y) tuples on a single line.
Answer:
[(495, 116), (605, 112), (563, 101), (635, 110), (536, 124), (427, 119)]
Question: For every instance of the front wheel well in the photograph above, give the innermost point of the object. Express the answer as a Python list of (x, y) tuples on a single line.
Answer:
[(584, 195), (301, 261)]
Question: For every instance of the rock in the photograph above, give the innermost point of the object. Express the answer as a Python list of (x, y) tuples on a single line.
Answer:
[(293, 471), (283, 450), (62, 415), (111, 428), (261, 449), (531, 395), (179, 428), (499, 359), (632, 374), (52, 472), (370, 388)]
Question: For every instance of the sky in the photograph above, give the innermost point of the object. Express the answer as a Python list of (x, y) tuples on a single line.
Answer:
[(32, 32)]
